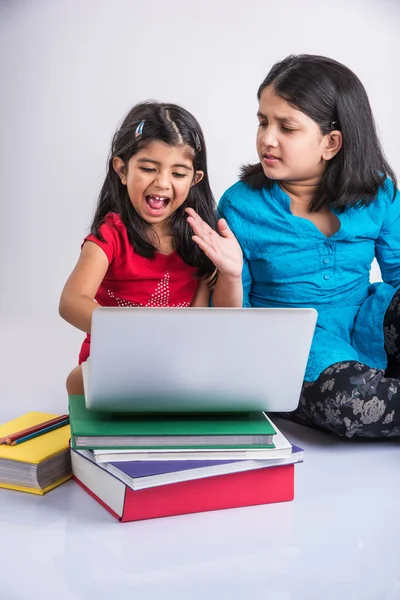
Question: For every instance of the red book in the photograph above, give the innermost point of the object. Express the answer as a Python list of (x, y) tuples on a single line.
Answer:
[(249, 488)]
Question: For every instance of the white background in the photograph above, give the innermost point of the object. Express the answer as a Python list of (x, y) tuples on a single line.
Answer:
[(70, 70)]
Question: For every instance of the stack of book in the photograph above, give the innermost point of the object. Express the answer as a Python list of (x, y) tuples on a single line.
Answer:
[(34, 453), (142, 467)]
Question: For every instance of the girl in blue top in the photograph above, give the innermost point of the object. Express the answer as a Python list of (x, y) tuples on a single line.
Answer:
[(310, 217)]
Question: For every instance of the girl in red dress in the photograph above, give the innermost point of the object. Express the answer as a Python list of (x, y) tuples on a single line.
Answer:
[(153, 240)]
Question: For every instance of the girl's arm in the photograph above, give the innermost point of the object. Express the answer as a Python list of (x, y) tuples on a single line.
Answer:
[(387, 246), (203, 293), (228, 291), (77, 299), (224, 251)]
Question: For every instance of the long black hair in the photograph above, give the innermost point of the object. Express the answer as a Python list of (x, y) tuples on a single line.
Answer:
[(172, 125), (329, 92)]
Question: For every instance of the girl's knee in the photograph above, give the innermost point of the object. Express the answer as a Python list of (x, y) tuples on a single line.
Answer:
[(75, 382)]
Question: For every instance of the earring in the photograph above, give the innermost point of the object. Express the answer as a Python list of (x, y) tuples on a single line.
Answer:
[(323, 161)]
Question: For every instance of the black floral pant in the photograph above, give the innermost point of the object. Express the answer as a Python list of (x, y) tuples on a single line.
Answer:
[(352, 399)]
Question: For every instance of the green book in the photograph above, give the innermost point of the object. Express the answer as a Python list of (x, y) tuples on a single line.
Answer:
[(98, 430)]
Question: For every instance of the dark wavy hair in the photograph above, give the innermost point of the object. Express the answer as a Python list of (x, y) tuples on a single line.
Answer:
[(327, 91), (174, 126)]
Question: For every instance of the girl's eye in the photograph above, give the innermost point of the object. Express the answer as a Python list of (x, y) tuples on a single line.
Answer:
[(147, 169), (179, 175), (287, 129), (262, 124)]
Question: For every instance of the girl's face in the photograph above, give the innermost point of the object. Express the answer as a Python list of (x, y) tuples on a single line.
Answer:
[(158, 179), (290, 144)]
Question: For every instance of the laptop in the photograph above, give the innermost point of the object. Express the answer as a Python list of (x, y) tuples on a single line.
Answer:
[(197, 359)]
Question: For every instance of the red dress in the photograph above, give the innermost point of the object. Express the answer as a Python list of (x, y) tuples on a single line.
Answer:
[(132, 280)]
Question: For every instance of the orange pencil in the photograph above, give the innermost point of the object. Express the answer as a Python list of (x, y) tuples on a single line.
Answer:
[(8, 439)]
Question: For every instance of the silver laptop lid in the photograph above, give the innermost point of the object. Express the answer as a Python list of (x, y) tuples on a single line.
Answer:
[(197, 359)]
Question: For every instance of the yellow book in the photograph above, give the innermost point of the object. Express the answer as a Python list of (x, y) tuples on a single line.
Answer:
[(37, 465), (37, 491)]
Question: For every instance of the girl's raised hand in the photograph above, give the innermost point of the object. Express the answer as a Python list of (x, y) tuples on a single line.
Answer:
[(222, 249)]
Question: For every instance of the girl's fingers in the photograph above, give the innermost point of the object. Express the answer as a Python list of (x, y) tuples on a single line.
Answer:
[(192, 213), (207, 249), (206, 233), (224, 230), (197, 228), (198, 220), (193, 224)]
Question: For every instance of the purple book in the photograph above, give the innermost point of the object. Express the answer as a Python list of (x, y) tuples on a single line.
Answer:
[(146, 468)]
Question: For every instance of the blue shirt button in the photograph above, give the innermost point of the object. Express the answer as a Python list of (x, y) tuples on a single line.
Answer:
[(326, 277), (326, 261)]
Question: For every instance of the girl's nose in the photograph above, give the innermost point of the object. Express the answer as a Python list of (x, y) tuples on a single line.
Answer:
[(163, 181), (269, 137)]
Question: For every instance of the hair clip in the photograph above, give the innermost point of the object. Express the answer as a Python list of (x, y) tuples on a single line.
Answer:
[(334, 125), (139, 130), (197, 142)]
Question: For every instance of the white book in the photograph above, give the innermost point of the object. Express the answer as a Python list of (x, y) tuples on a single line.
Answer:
[(188, 474), (282, 449)]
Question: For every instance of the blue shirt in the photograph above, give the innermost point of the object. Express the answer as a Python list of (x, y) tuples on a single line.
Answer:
[(289, 262)]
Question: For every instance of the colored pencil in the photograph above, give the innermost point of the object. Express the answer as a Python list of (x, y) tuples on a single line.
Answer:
[(40, 432), (28, 430)]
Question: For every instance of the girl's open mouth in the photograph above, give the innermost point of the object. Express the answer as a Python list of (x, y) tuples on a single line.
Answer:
[(156, 204)]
